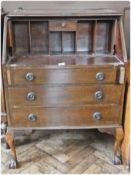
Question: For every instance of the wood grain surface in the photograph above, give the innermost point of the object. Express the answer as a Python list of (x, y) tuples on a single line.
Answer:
[(64, 95), (17, 76), (71, 116)]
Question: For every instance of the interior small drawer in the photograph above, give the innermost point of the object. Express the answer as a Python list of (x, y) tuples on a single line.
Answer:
[(31, 75), (80, 116), (62, 25), (48, 96)]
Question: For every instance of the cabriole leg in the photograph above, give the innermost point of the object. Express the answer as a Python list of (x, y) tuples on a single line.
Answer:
[(119, 134), (10, 141)]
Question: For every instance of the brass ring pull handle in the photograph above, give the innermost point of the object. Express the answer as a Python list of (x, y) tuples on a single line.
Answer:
[(100, 76), (97, 116), (32, 117), (31, 96), (99, 95), (30, 76)]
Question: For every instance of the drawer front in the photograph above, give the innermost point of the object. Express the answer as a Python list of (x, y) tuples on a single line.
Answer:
[(62, 25), (62, 117), (19, 76), (64, 95)]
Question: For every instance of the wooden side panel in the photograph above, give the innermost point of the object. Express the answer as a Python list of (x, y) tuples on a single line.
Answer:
[(118, 44), (21, 37), (60, 117), (126, 141), (64, 95), (10, 35), (39, 37)]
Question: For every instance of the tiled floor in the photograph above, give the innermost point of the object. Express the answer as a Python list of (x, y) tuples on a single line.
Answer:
[(77, 151)]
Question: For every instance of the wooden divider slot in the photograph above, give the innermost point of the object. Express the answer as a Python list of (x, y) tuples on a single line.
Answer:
[(94, 37)]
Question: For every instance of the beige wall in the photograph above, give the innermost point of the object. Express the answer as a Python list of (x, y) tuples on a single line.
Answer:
[(116, 5)]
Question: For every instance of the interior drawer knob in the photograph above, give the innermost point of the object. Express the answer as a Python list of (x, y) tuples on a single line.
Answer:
[(30, 76), (32, 117), (63, 24), (97, 116), (31, 96), (99, 95), (100, 76)]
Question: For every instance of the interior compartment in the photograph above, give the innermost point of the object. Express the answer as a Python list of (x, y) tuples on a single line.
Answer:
[(39, 37), (103, 36), (55, 42), (68, 39), (21, 35), (84, 36)]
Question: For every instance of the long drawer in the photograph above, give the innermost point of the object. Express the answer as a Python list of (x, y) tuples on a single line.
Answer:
[(64, 95), (30, 75), (66, 116)]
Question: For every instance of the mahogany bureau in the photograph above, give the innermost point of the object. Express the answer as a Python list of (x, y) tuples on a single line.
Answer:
[(64, 71)]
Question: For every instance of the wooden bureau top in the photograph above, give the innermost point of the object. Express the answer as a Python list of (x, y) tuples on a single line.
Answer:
[(61, 12)]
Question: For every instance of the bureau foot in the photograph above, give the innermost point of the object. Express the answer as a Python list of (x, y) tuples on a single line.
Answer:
[(12, 164), (10, 141), (117, 160), (119, 134)]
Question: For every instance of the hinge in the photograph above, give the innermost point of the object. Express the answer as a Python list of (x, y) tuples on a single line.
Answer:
[(122, 75)]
